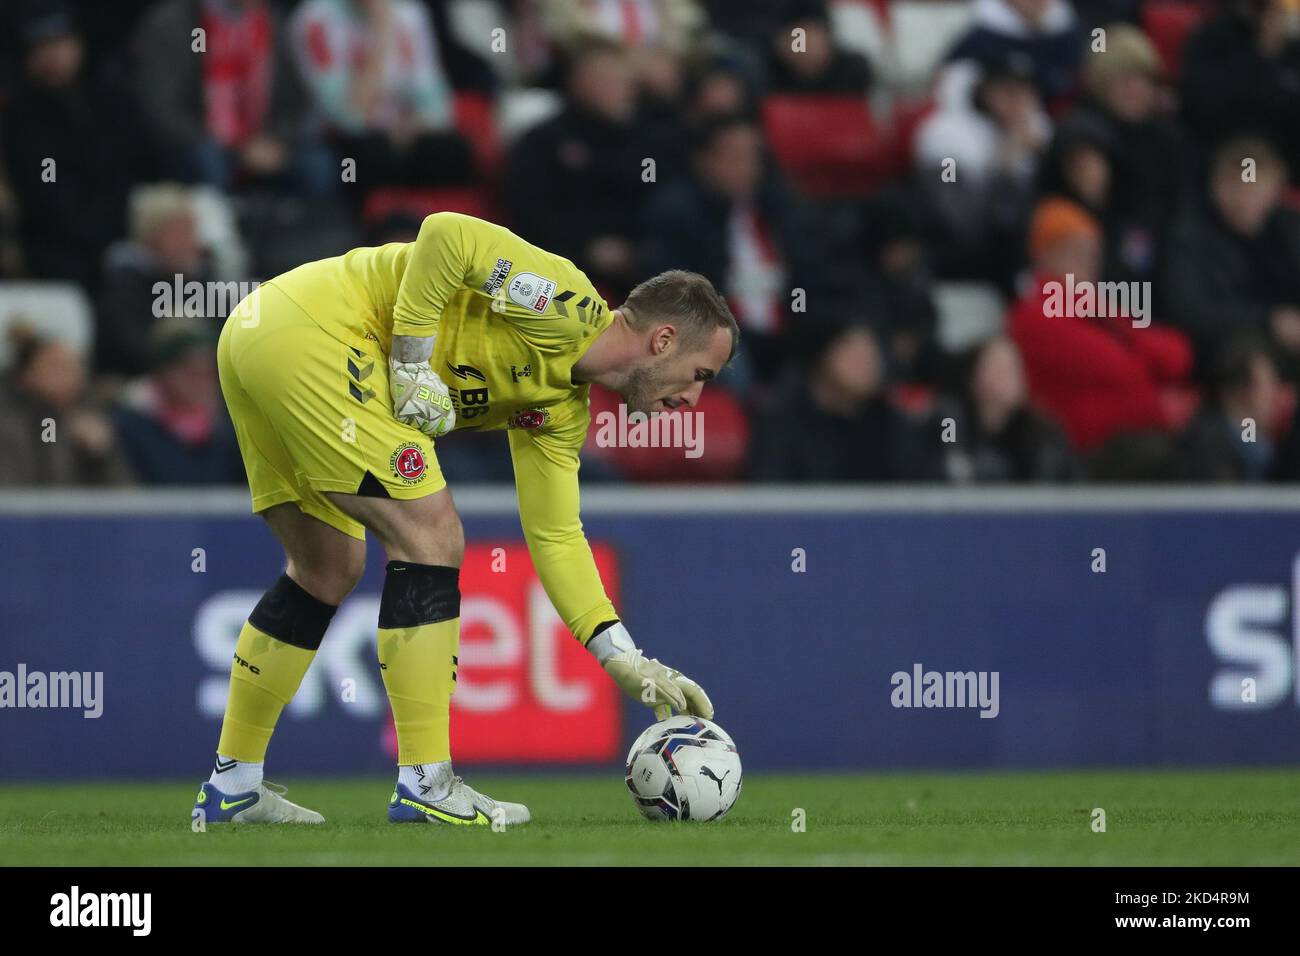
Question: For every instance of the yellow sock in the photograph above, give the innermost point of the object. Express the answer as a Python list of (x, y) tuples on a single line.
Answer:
[(275, 648), (419, 668), (263, 678)]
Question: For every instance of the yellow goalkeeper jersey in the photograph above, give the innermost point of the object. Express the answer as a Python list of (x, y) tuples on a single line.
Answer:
[(510, 321)]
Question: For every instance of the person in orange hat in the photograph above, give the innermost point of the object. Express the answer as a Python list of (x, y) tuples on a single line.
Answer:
[(1099, 373)]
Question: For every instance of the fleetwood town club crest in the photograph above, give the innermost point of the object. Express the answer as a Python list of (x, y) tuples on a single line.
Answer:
[(529, 418), (408, 463)]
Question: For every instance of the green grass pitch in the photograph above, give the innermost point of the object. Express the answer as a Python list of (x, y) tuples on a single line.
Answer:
[(1239, 817)]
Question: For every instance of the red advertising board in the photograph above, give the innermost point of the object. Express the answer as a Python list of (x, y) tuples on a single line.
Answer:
[(526, 690)]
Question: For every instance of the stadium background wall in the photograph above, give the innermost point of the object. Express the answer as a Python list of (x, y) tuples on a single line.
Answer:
[(1142, 664)]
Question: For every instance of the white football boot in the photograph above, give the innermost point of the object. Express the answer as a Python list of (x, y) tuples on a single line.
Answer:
[(462, 806), (266, 804)]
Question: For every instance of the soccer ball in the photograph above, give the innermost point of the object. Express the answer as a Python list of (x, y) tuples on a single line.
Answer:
[(684, 768)]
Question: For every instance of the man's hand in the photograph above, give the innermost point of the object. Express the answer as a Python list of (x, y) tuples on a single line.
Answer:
[(420, 398), (645, 679)]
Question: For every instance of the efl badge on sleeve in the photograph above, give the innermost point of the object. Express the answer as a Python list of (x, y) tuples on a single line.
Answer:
[(531, 291)]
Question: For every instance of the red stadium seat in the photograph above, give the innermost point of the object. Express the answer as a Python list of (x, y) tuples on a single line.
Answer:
[(1181, 403), (384, 202), (829, 145), (1168, 23), (906, 118), (476, 121)]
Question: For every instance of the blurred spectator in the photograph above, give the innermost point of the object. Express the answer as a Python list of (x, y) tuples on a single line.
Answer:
[(11, 250), (1138, 457), (1044, 31), (1231, 440), (1233, 263), (235, 112), (1079, 166), (51, 433), (71, 148), (721, 87), (895, 293), (751, 24), (996, 435), (573, 184), (1122, 125), (734, 221), (1241, 75), (172, 423), (977, 161), (1096, 373), (815, 65), (163, 248), (835, 423), (376, 80), (665, 24)]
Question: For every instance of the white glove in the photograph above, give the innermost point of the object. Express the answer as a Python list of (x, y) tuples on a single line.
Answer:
[(645, 679), (420, 398)]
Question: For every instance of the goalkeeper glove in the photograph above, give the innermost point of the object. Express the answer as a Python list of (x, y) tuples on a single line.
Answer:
[(420, 398), (645, 679)]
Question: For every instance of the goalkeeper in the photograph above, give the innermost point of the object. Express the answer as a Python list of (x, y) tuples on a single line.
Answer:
[(339, 376)]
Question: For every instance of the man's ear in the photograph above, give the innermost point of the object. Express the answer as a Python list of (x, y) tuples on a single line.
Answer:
[(662, 339)]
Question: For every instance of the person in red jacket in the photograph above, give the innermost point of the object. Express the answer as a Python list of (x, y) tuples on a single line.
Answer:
[(1097, 369)]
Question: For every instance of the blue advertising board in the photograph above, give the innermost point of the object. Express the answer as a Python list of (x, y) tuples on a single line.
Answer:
[(1105, 635)]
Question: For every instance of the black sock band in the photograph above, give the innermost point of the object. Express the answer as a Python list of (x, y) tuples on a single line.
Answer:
[(416, 594), (290, 614)]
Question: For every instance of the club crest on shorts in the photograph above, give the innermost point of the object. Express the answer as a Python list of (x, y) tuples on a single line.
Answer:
[(529, 418), (408, 463)]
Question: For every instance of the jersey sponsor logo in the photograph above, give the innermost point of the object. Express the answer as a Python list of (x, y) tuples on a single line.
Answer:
[(466, 372), (408, 463), (469, 402), (529, 418), (531, 291), (497, 277)]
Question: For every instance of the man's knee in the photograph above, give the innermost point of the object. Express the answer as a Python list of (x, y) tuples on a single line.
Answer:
[(329, 580)]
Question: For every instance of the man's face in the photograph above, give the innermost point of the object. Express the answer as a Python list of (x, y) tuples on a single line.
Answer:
[(732, 165), (1011, 101), (1132, 96), (853, 365), (55, 63), (175, 242), (1077, 255), (603, 83), (1246, 206), (55, 376), (673, 377)]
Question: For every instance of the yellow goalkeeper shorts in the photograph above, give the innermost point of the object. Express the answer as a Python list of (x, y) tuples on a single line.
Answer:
[(314, 414)]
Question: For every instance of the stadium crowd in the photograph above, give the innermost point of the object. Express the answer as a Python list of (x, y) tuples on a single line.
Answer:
[(888, 192)]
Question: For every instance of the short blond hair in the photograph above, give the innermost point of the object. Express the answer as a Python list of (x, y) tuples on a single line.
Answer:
[(154, 204), (687, 298)]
